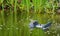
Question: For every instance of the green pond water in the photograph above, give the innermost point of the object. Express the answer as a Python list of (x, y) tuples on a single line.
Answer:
[(12, 24)]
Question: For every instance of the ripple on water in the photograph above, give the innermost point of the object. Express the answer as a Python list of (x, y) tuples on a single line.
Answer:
[(0, 28)]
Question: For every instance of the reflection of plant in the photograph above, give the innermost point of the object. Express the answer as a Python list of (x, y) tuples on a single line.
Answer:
[(41, 10)]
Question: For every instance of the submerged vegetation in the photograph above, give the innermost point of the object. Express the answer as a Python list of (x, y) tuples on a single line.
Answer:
[(15, 17)]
